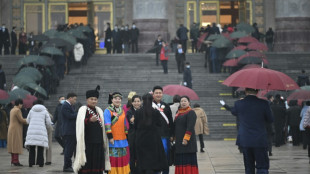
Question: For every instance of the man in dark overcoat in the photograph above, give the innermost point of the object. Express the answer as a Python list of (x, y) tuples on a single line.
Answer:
[(57, 119), (182, 35), (4, 40), (158, 45), (108, 39), (2, 78), (68, 130), (180, 58), (117, 40), (134, 38), (13, 40), (187, 76), (253, 115)]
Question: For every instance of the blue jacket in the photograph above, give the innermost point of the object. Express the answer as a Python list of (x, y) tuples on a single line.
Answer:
[(68, 119), (253, 114)]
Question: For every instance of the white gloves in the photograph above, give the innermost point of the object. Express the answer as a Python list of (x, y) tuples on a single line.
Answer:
[(184, 83), (222, 102)]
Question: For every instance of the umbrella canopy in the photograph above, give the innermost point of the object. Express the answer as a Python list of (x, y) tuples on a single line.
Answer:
[(30, 72), (28, 101), (40, 38), (3, 95), (247, 39), (52, 51), (84, 29), (222, 42), (39, 60), (299, 95), (257, 46), (235, 53), (256, 54), (213, 37), (22, 80), (230, 63), (247, 28), (36, 88), (18, 94), (265, 93), (51, 33), (167, 98), (180, 90), (261, 78), (305, 87), (77, 33), (248, 66), (239, 47), (201, 40), (238, 34)]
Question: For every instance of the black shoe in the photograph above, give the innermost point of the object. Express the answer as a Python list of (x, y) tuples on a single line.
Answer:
[(48, 163), (41, 165), (69, 169), (30, 165), (62, 153), (270, 154), (202, 151), (16, 164)]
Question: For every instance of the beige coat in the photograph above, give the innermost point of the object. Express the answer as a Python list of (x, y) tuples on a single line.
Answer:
[(15, 132), (3, 125), (201, 126)]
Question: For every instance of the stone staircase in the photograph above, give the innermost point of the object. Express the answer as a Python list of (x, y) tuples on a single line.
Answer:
[(138, 72)]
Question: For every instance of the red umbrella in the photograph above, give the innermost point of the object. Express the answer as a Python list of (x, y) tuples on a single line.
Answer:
[(227, 35), (261, 78), (201, 39), (299, 95), (240, 47), (230, 63), (257, 46), (253, 54), (3, 95), (28, 101), (247, 39), (180, 90), (252, 60)]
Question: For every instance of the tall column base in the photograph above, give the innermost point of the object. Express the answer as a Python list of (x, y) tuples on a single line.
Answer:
[(292, 34), (149, 30)]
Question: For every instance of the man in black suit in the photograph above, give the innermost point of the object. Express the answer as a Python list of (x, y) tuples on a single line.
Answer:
[(13, 40), (134, 38), (253, 114), (68, 129), (108, 38), (166, 129), (158, 45), (187, 76), (4, 40)]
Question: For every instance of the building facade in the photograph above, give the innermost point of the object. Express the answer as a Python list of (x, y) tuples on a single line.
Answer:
[(160, 16)]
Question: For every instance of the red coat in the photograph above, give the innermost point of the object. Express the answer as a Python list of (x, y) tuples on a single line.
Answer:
[(164, 53)]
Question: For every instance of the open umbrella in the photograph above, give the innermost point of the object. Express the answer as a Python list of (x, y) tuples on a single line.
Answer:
[(39, 60), (173, 90), (36, 88), (248, 66), (252, 60), (245, 27), (256, 54), (257, 46), (239, 47), (238, 34), (265, 93), (305, 87), (167, 98), (84, 29), (51, 33), (222, 42), (52, 51), (230, 63), (77, 33), (261, 78), (213, 37), (40, 38), (21, 80), (30, 71), (201, 40), (235, 53), (247, 39), (18, 94), (299, 95), (28, 101), (3, 95)]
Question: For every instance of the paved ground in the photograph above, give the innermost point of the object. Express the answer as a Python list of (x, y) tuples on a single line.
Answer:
[(221, 157)]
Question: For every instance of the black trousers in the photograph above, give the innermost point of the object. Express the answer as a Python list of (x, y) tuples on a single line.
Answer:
[(307, 133), (295, 135), (134, 46), (164, 63), (255, 158), (202, 144), (70, 144), (157, 58), (108, 46), (194, 46), (13, 49), (60, 141), (32, 156), (184, 45), (180, 64)]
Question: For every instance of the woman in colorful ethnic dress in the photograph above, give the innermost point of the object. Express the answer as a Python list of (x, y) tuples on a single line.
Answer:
[(185, 142), (115, 125), (92, 149)]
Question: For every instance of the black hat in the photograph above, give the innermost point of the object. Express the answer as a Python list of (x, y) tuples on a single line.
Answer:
[(93, 93)]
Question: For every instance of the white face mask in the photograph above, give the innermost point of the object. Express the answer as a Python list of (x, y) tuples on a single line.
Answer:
[(133, 26), (62, 101), (188, 66), (126, 28), (180, 50), (3, 26)]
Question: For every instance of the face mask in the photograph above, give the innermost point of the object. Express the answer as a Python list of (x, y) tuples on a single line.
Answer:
[(3, 26), (62, 102), (115, 28), (188, 66), (133, 26)]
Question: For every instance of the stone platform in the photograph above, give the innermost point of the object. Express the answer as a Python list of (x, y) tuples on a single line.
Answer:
[(221, 157)]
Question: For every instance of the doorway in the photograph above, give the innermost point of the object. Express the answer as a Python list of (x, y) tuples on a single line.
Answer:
[(77, 13), (229, 12)]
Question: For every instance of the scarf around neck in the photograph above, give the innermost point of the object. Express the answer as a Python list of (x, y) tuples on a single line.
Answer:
[(183, 111)]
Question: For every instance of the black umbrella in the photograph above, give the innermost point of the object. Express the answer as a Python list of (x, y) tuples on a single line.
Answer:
[(40, 38)]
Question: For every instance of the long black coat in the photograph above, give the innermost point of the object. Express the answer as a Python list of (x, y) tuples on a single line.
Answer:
[(5, 37), (185, 123), (57, 119), (293, 116), (150, 152), (187, 77), (166, 130), (2, 79)]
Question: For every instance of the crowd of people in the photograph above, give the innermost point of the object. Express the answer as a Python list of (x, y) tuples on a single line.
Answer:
[(146, 135)]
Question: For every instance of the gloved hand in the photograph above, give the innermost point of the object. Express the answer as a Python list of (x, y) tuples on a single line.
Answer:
[(222, 102), (184, 83)]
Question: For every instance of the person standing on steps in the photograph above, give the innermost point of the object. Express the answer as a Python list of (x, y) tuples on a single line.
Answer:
[(187, 76), (164, 56), (158, 45), (201, 126)]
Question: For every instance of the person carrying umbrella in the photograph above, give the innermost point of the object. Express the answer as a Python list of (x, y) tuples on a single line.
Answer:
[(253, 114)]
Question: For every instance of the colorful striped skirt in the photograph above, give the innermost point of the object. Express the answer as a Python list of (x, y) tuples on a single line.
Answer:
[(186, 163), (119, 158)]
